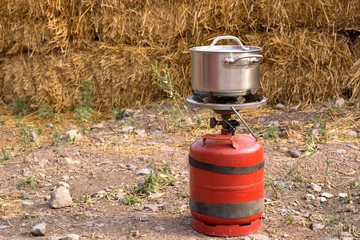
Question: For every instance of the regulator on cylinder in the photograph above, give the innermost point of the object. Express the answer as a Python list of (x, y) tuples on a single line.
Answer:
[(226, 169)]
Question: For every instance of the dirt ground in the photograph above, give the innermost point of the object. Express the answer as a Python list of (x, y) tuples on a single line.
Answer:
[(319, 146)]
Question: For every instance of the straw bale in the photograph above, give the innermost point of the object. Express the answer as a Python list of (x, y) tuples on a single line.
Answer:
[(120, 76), (49, 46)]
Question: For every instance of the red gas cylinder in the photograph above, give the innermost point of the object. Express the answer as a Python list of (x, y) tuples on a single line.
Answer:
[(226, 184)]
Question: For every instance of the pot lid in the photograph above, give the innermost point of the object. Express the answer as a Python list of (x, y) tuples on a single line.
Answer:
[(240, 48)]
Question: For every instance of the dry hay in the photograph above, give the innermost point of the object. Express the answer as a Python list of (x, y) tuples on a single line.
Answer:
[(48, 47)]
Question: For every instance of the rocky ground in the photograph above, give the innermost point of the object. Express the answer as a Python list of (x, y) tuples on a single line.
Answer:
[(128, 178)]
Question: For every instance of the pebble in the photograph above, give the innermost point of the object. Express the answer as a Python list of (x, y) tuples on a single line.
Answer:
[(143, 171), (258, 237), (315, 187), (70, 237), (65, 178), (60, 198), (309, 197), (167, 149), (130, 167), (292, 109), (352, 146), (292, 140), (342, 195), (317, 226), (27, 203), (49, 125), (322, 199), (156, 132), (26, 196), (64, 184), (120, 196), (327, 195), (279, 106), (340, 151), (127, 129), (128, 112), (294, 153), (42, 163), (316, 202), (140, 132), (339, 103), (4, 226), (155, 195), (153, 207), (142, 217), (39, 229), (351, 133), (71, 136), (97, 126), (33, 136)]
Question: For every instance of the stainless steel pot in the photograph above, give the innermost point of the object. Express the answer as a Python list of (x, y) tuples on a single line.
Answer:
[(225, 70)]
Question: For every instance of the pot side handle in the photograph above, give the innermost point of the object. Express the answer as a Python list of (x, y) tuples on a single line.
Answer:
[(228, 37), (230, 60)]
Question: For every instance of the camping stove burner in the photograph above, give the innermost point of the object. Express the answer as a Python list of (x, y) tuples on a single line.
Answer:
[(222, 105)]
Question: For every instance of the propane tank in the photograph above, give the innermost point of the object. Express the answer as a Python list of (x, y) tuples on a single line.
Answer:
[(226, 184)]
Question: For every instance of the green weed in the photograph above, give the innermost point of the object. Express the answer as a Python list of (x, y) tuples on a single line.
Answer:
[(166, 83), (272, 133), (20, 107), (55, 138), (150, 185), (296, 173), (6, 155), (118, 114), (83, 113), (46, 112), (131, 199), (30, 180)]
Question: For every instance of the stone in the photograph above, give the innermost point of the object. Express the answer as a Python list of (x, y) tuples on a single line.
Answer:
[(339, 103), (152, 207), (34, 137), (143, 171), (26, 196), (97, 126), (155, 195), (294, 153), (140, 132), (315, 132), (127, 129), (130, 167), (120, 196), (60, 198), (39, 229), (351, 133), (128, 112), (315, 187), (3, 227), (49, 125), (71, 135), (327, 195), (292, 140), (42, 163), (342, 195), (317, 226), (65, 178), (258, 237), (156, 132), (322, 199), (64, 184), (167, 149), (292, 109), (340, 151), (316, 202), (309, 197), (27, 203), (70, 237), (352, 146), (279, 106)]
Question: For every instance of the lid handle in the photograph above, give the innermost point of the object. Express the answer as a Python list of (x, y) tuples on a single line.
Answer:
[(228, 37)]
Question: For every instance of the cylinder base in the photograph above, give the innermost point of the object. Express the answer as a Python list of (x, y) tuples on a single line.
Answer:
[(226, 230)]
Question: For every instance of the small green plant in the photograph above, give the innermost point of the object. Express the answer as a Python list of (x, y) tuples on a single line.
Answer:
[(83, 113), (25, 140), (138, 104), (6, 155), (46, 112), (322, 126), (2, 122), (296, 173), (272, 133), (118, 114), (166, 83), (131, 199), (30, 180), (311, 144), (326, 174), (20, 107), (55, 138), (150, 185), (290, 219)]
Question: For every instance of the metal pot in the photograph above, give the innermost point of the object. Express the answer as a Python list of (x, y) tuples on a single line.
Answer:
[(225, 70)]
